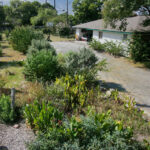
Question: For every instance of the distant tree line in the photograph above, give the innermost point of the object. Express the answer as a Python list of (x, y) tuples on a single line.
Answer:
[(37, 14)]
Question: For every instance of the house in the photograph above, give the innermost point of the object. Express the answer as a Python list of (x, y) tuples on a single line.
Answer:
[(97, 30)]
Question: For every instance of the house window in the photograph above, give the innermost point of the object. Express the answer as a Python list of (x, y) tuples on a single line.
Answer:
[(100, 35), (125, 36)]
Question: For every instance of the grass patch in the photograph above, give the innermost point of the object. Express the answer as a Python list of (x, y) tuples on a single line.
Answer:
[(60, 39), (14, 76)]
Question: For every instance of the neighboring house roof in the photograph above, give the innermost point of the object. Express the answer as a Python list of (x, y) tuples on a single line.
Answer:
[(133, 24)]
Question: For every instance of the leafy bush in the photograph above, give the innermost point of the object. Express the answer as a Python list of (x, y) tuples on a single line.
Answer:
[(95, 131), (7, 114), (75, 92), (139, 47), (42, 66), (96, 45), (38, 45), (113, 48), (84, 63), (42, 116), (21, 38)]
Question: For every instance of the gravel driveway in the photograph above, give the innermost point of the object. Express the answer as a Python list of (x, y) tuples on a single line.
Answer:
[(15, 139), (121, 75)]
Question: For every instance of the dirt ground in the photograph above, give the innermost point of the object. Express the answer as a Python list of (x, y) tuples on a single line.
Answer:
[(15, 139)]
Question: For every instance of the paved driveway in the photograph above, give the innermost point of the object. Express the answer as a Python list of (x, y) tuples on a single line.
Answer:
[(121, 75)]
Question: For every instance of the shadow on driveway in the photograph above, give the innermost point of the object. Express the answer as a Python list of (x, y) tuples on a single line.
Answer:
[(113, 85)]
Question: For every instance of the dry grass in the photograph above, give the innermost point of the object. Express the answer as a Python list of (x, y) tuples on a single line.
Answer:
[(144, 65), (60, 39), (133, 118), (9, 65), (11, 70), (9, 55)]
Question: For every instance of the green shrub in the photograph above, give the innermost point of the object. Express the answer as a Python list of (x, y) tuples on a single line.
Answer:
[(42, 116), (38, 45), (7, 114), (21, 38), (139, 47), (84, 63), (42, 66), (93, 132), (96, 45), (113, 48)]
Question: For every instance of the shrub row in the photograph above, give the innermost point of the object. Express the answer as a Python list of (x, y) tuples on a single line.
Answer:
[(43, 64), (138, 47), (110, 47)]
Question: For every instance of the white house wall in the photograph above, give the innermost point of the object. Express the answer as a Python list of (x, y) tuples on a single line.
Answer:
[(115, 37), (109, 36), (79, 32)]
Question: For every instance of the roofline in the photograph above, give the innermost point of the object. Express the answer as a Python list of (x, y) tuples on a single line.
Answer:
[(107, 30)]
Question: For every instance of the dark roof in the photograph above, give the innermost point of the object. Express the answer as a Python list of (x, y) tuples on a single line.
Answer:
[(133, 24)]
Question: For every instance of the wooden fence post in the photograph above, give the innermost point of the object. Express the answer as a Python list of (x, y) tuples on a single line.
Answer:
[(13, 91)]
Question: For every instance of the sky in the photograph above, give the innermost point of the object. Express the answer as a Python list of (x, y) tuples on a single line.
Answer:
[(60, 4)]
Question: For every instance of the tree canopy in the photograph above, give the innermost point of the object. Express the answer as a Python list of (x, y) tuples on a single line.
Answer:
[(114, 10), (20, 12), (87, 10), (44, 15)]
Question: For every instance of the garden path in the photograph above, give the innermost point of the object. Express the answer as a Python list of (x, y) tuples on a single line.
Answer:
[(122, 74)]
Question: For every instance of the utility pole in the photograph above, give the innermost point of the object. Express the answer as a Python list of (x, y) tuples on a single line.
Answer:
[(55, 4), (45, 1), (67, 12)]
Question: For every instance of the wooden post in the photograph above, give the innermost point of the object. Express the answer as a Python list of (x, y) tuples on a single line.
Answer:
[(13, 91)]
